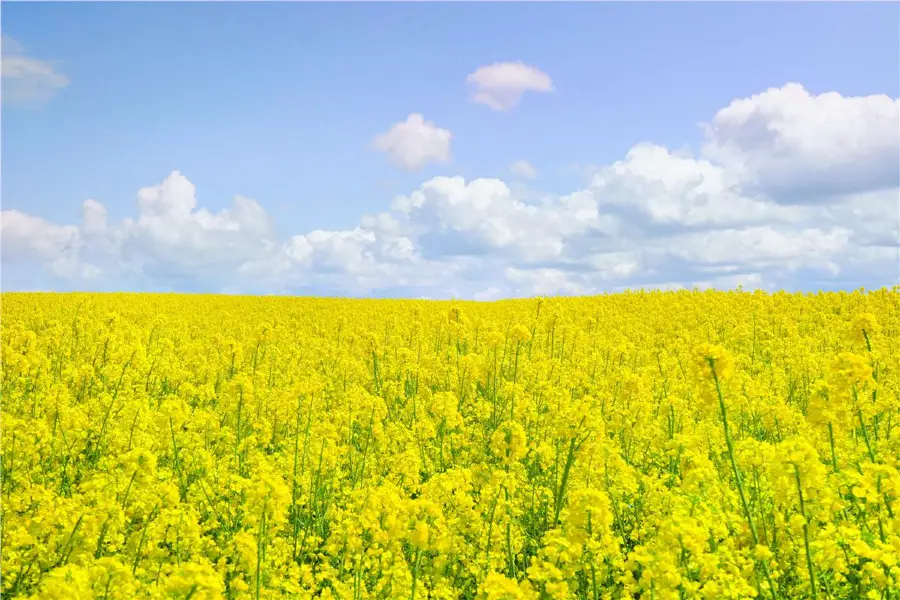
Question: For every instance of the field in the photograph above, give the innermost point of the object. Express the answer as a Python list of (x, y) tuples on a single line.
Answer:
[(640, 445)]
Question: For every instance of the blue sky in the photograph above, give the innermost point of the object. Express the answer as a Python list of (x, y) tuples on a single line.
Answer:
[(282, 103)]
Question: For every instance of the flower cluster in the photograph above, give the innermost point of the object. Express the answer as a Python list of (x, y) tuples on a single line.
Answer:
[(641, 445)]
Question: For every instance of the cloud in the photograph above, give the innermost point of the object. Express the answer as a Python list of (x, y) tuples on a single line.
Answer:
[(800, 147), (653, 219), (543, 282), (24, 80), (670, 189), (745, 281), (501, 85), (32, 239), (412, 143), (787, 248), (484, 217), (523, 169), (170, 240)]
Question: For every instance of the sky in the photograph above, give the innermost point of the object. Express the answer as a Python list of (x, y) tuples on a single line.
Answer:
[(438, 150)]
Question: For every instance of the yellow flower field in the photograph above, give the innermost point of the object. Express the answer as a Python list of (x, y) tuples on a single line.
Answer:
[(640, 445)]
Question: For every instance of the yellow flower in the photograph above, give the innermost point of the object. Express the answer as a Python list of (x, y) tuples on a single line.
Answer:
[(713, 361), (519, 334), (419, 535), (508, 441), (851, 369), (165, 446), (864, 327)]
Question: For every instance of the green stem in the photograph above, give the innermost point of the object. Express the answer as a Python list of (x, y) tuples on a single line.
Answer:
[(259, 549), (809, 563), (834, 464), (509, 552), (415, 575), (737, 473), (570, 458)]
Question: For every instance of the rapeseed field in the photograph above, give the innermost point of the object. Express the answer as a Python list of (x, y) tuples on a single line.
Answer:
[(639, 445)]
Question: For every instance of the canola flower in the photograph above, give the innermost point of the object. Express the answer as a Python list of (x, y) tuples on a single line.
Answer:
[(641, 445)]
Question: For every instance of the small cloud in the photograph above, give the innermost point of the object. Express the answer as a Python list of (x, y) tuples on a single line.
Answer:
[(501, 85), (27, 81), (10, 46), (523, 169), (412, 143)]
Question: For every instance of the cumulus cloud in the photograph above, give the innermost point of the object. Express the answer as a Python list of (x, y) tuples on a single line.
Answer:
[(25, 80), (656, 218), (765, 247), (800, 147), (484, 217), (523, 169), (415, 142), (544, 282), (32, 239), (502, 85), (681, 190), (170, 240), (745, 281)]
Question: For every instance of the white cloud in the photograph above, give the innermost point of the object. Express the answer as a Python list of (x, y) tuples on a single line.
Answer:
[(502, 84), (764, 247), (613, 265), (32, 239), (802, 147), (95, 218), (483, 216), (543, 282), (873, 215), (415, 142), (491, 293), (523, 169), (676, 189), (747, 281), (654, 219), (172, 236), (25, 80)]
